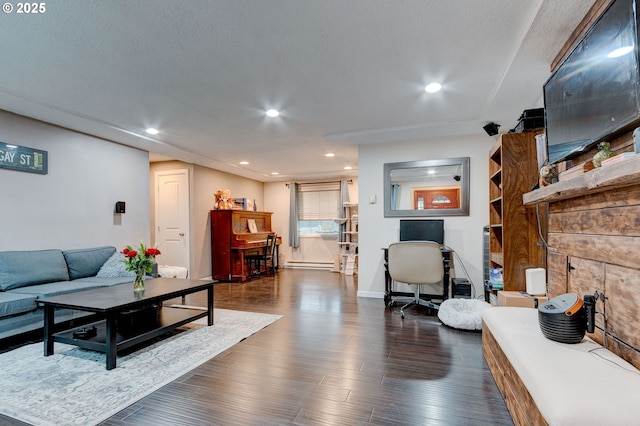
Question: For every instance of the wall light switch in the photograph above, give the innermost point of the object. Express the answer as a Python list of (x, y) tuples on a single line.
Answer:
[(372, 199)]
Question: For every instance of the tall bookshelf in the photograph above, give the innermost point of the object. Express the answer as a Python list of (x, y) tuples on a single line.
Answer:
[(513, 227), (347, 262)]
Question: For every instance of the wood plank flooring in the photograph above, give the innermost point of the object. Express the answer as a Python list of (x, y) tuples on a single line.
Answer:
[(333, 359)]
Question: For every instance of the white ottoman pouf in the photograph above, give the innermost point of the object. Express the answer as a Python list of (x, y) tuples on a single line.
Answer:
[(167, 271), (463, 314)]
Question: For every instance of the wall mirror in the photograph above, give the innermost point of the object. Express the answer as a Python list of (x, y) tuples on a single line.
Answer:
[(427, 188)]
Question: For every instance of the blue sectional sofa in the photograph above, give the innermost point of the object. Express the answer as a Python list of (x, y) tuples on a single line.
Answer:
[(28, 275)]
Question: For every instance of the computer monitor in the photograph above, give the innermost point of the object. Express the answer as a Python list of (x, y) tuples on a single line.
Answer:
[(422, 230)]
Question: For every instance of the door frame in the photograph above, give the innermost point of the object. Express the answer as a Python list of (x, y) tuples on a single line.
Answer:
[(156, 185)]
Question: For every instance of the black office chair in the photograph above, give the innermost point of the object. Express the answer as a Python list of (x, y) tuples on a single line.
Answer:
[(418, 263), (267, 257)]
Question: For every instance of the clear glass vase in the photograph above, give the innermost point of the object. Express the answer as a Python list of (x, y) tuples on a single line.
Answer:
[(138, 284)]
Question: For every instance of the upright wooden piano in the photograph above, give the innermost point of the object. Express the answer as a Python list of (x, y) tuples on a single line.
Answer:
[(231, 241)]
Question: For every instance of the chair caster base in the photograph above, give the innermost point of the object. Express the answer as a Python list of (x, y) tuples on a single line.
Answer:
[(426, 304)]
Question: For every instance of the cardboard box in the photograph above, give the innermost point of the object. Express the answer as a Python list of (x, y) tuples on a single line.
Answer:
[(515, 298)]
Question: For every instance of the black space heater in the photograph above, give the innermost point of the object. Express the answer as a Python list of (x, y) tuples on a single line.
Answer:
[(565, 318)]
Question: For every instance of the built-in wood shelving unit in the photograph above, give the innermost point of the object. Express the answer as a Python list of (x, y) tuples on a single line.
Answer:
[(513, 231)]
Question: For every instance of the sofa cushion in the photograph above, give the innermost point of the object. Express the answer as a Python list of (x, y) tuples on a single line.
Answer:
[(25, 268), (115, 267), (54, 289), (86, 262), (107, 281), (12, 304)]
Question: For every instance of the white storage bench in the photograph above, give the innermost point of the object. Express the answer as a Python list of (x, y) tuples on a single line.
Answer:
[(546, 382)]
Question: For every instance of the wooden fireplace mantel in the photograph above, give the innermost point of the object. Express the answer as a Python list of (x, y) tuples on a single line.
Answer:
[(617, 175)]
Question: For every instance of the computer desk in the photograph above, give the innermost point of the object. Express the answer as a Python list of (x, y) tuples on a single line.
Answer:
[(388, 284)]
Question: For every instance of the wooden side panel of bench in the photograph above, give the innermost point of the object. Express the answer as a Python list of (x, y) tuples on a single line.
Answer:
[(521, 406)]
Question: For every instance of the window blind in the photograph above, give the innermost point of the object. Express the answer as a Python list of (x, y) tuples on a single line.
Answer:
[(318, 201)]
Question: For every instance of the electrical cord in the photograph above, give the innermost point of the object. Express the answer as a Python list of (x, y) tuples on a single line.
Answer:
[(621, 345), (604, 328), (544, 242), (593, 352), (600, 296)]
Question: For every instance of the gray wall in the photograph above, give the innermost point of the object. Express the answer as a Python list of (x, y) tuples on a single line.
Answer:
[(73, 205)]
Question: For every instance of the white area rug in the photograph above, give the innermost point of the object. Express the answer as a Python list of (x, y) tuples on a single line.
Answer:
[(72, 387)]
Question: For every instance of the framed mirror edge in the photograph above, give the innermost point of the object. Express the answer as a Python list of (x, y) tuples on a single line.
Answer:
[(464, 184)]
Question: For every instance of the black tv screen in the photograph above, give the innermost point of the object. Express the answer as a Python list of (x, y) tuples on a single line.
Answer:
[(594, 92), (422, 230)]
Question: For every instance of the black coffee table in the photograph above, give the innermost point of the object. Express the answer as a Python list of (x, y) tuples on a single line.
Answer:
[(110, 302)]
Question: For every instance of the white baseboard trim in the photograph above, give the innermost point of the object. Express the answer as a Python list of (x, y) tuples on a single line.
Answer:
[(308, 265), (371, 294)]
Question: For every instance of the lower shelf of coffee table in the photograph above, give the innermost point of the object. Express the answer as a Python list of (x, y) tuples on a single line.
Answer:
[(168, 319)]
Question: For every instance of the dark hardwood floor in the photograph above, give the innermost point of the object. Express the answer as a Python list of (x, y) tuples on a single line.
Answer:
[(333, 359)]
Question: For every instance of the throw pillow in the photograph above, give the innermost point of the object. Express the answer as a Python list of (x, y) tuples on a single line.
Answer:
[(115, 267), (84, 263)]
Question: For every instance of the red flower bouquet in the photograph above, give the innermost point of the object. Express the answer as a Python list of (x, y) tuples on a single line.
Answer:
[(140, 262)]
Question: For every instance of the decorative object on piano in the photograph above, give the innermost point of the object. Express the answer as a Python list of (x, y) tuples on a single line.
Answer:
[(243, 204), (140, 262), (603, 154), (223, 200)]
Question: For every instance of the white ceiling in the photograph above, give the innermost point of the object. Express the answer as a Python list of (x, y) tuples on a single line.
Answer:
[(342, 72)]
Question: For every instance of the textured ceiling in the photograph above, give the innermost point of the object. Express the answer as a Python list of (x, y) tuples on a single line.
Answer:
[(342, 72)]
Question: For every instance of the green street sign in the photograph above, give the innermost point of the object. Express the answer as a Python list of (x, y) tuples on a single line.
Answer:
[(22, 158)]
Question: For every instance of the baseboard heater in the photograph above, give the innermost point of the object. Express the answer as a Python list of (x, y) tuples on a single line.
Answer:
[(294, 264)]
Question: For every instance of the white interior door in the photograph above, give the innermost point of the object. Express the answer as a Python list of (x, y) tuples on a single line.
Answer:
[(172, 217)]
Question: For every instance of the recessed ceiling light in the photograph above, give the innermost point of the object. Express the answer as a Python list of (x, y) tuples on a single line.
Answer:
[(244, 163), (433, 87), (273, 113), (152, 131), (275, 173), (329, 154), (348, 167)]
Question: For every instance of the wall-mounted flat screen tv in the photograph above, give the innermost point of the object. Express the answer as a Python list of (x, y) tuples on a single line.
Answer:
[(422, 230), (594, 94)]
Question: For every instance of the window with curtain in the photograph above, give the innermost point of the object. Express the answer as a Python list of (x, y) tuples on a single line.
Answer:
[(318, 204)]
